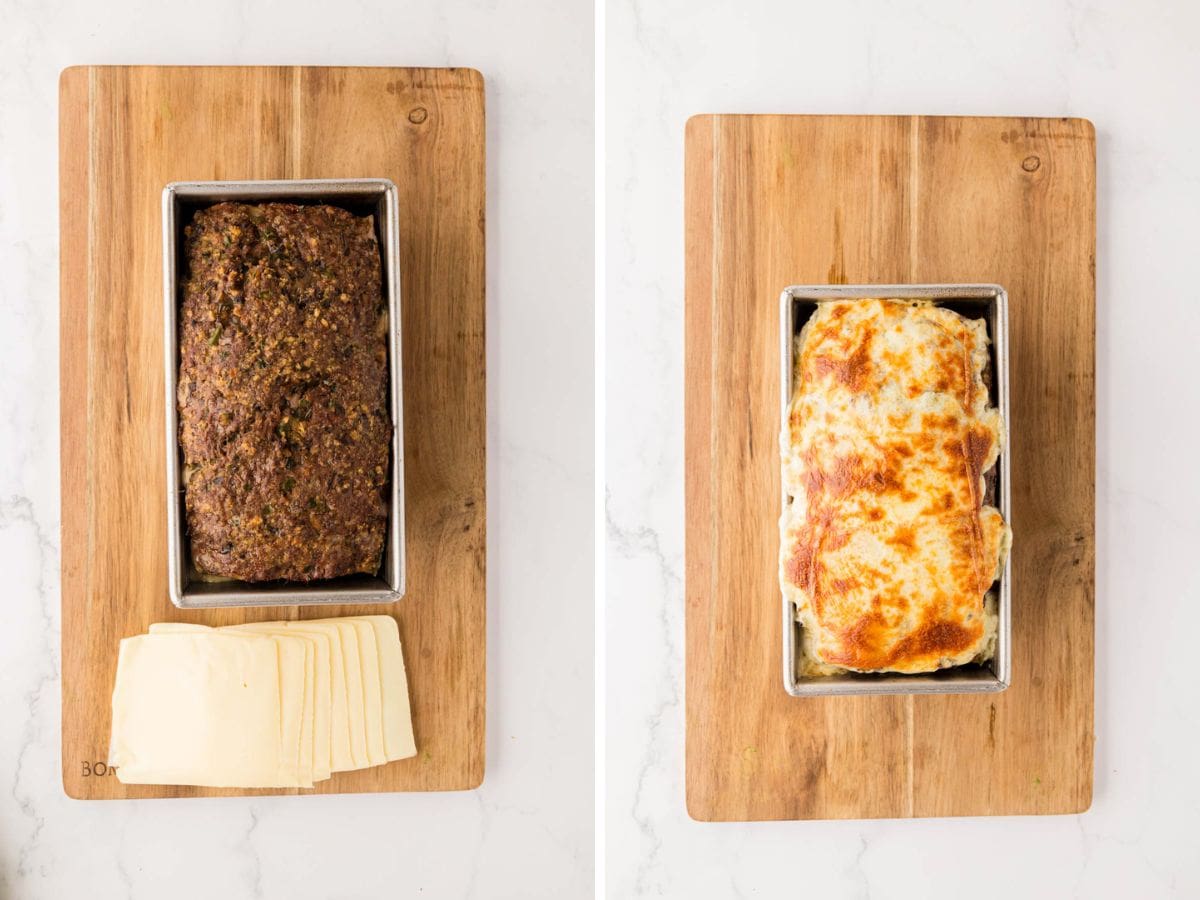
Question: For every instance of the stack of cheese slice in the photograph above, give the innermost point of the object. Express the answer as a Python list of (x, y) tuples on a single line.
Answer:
[(265, 704)]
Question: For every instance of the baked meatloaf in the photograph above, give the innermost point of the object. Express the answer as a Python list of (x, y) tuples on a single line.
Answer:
[(283, 385), (889, 547)]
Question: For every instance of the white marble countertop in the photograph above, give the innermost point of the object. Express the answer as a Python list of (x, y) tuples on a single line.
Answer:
[(528, 831), (1130, 68)]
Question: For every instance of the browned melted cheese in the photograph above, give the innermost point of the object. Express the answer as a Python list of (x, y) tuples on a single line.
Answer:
[(888, 550)]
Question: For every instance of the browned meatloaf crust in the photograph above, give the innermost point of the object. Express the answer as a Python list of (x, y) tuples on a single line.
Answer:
[(283, 415)]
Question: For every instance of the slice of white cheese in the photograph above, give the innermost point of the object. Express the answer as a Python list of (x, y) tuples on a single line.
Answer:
[(293, 654), (296, 694), (397, 716), (368, 651), (204, 709)]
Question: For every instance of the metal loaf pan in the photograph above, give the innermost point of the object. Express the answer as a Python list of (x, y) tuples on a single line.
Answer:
[(363, 196), (987, 301)]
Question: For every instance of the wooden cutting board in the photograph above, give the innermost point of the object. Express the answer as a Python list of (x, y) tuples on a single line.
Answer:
[(779, 200), (125, 132)]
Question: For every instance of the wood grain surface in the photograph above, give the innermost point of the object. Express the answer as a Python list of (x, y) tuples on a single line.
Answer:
[(125, 132), (779, 200)]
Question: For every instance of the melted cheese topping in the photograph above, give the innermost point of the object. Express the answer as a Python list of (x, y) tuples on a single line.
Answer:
[(888, 551)]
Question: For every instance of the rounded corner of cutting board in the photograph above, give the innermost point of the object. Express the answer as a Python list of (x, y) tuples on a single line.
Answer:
[(698, 809)]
